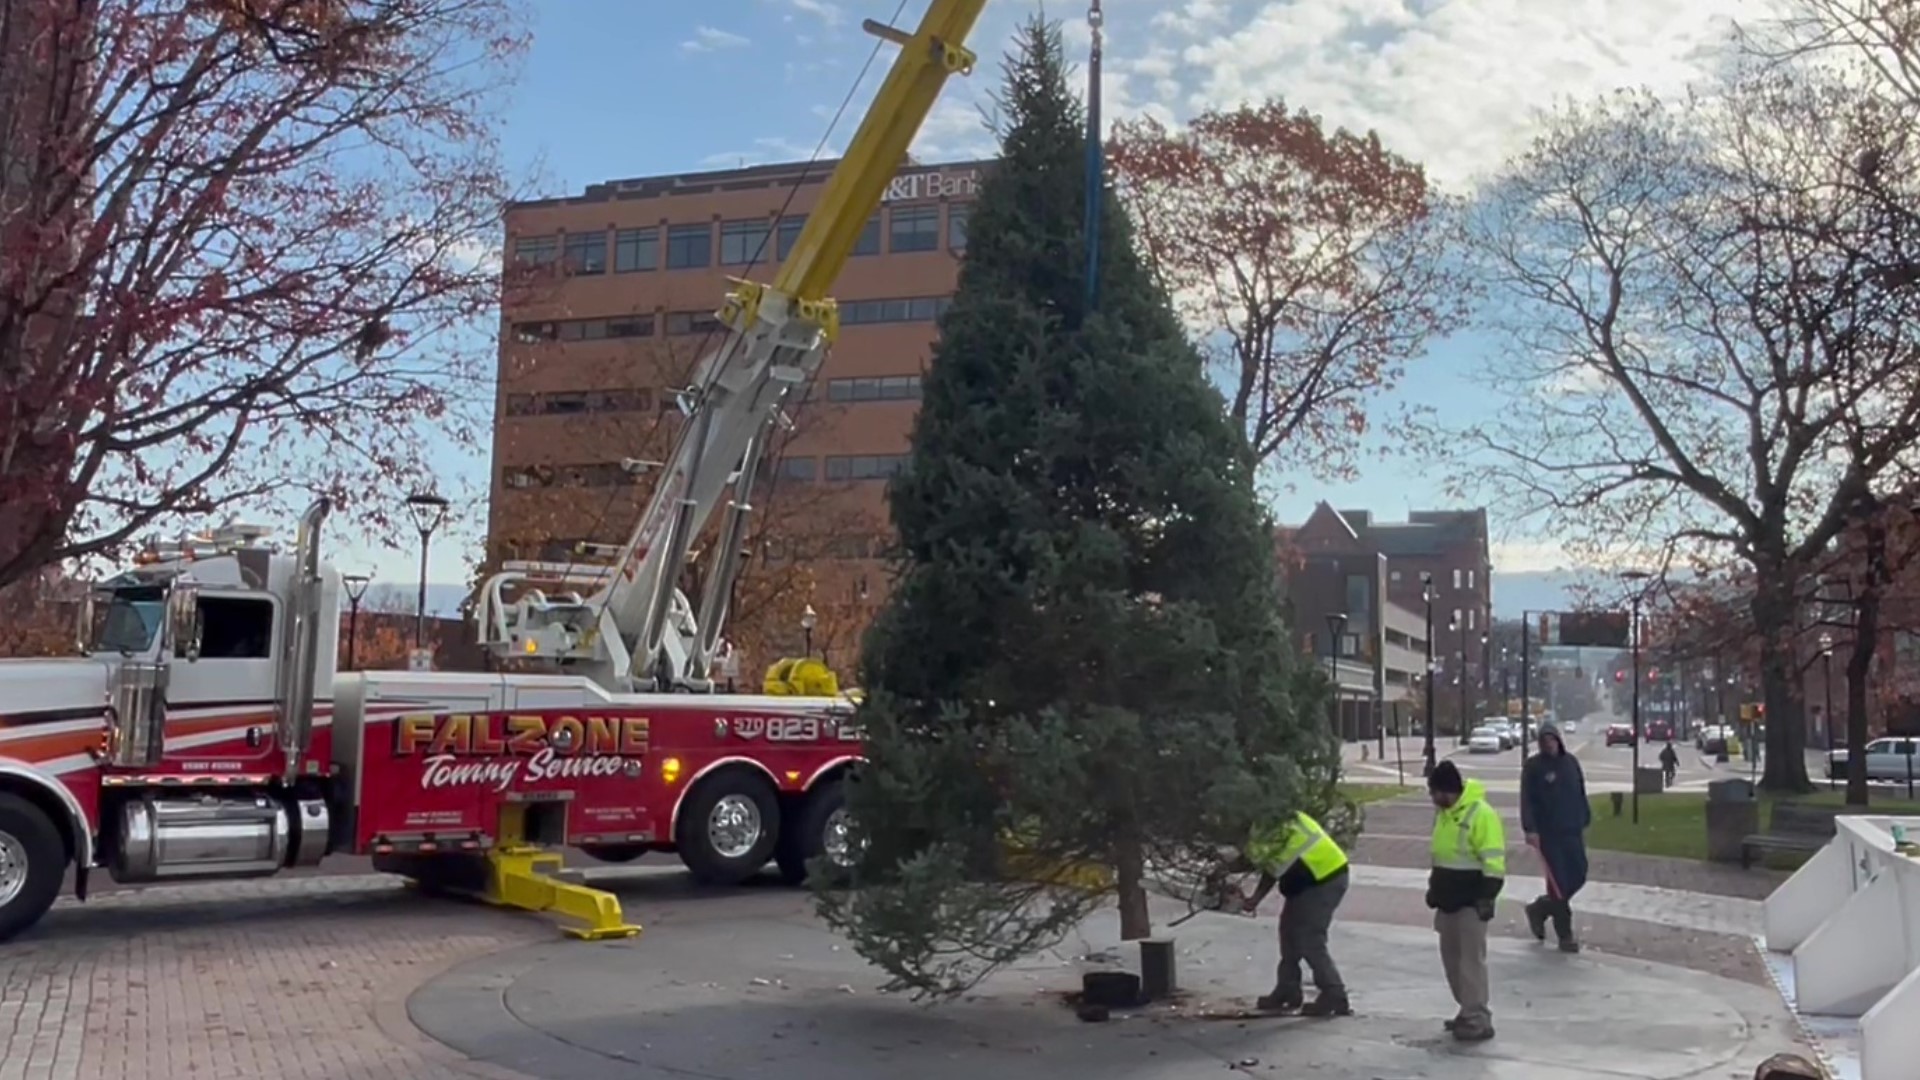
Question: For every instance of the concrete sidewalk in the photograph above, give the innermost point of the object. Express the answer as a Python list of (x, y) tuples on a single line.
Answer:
[(781, 997)]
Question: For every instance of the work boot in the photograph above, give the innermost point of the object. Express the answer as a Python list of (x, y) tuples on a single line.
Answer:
[(1568, 945), (1278, 1003), (1563, 926), (1537, 919), (1328, 1005), (1472, 1033)]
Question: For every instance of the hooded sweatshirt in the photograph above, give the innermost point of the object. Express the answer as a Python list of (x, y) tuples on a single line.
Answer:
[(1469, 851), (1553, 792)]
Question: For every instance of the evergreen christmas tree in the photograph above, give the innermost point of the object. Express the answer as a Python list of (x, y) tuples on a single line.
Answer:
[(1083, 661)]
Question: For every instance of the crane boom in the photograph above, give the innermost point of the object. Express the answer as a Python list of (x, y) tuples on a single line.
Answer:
[(637, 628)]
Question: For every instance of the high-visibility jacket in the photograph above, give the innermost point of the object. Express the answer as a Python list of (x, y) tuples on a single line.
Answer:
[(1469, 852), (1298, 854)]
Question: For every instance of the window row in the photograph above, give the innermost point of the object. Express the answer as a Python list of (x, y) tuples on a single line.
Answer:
[(840, 547), (885, 388), (740, 243), (685, 323), (839, 468), (573, 402)]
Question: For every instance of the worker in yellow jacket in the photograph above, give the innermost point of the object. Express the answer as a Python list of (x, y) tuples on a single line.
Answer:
[(1469, 869), (1311, 872)]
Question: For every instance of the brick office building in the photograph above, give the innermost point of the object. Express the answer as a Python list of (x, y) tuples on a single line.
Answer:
[(609, 306), (1344, 562)]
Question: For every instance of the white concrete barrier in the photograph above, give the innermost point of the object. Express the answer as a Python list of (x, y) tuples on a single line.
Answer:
[(1850, 918)]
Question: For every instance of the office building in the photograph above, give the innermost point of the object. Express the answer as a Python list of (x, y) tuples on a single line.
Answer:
[(608, 307)]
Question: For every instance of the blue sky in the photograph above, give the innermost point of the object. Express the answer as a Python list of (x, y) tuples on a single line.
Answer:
[(618, 88)]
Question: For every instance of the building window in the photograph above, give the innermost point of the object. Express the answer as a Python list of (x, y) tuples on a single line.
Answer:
[(1470, 617), (886, 388), (869, 242), (865, 466), (1469, 579), (598, 474), (619, 326), (1393, 575), (681, 323), (789, 234), (1455, 623), (915, 228), (743, 242), (536, 250), (804, 469), (957, 228), (636, 249), (1457, 577), (587, 253), (912, 309), (689, 247)]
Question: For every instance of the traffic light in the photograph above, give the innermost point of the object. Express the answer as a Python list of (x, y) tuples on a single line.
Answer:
[(1653, 674), (1619, 676)]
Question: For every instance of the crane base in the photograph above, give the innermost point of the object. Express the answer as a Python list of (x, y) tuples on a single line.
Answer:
[(522, 877)]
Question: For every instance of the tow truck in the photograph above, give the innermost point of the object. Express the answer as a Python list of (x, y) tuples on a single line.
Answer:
[(207, 734)]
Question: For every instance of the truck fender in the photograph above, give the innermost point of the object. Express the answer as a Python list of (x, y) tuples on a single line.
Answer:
[(673, 823), (844, 759), (34, 777)]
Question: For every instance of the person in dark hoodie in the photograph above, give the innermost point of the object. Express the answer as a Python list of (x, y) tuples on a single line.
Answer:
[(1554, 814), (1469, 853)]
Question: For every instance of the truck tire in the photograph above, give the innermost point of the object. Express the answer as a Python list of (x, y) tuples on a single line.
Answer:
[(729, 828), (819, 828), (33, 859)]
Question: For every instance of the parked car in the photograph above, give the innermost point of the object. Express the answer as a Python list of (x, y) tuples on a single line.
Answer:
[(1485, 740), (1659, 730), (1619, 734), (1887, 759)]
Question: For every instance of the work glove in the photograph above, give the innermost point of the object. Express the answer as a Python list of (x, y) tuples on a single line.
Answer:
[(1485, 908)]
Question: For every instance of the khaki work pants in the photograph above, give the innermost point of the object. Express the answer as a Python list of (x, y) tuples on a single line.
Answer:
[(1463, 953)]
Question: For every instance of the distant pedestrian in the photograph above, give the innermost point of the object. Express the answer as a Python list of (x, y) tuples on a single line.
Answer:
[(1311, 871), (1669, 763), (1469, 852), (1554, 814)]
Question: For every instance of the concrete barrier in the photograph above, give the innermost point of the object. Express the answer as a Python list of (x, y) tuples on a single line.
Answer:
[(1850, 920)]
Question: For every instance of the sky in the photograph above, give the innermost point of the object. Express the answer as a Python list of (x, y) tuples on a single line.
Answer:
[(621, 88)]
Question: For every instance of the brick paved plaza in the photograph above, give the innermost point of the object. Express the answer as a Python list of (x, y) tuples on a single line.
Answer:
[(310, 978)]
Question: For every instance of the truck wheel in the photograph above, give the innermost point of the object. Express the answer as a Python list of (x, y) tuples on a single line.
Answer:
[(821, 829), (33, 858), (729, 828)]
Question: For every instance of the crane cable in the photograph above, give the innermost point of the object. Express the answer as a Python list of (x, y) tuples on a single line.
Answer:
[(1096, 158)]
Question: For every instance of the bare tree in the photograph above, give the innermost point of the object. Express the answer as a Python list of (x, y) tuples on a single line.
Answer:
[(233, 237), (1708, 361)]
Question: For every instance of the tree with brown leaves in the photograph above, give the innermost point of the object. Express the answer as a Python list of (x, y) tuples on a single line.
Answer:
[(1319, 258), (234, 235)]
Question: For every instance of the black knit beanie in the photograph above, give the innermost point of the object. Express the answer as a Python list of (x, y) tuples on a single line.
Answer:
[(1446, 777)]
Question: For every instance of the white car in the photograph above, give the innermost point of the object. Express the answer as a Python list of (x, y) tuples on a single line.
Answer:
[(1485, 740)]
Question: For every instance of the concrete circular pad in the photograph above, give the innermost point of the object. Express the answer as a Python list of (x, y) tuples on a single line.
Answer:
[(749, 987)]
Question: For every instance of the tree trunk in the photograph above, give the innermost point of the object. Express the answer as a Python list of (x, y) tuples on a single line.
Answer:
[(1786, 743), (1866, 639), (1131, 871)]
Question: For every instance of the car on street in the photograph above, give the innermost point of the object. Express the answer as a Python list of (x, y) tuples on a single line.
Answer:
[(1485, 740), (1887, 759), (1659, 731), (1619, 734)]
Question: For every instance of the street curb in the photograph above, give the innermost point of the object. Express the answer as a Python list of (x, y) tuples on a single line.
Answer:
[(392, 1017), (1821, 1055)]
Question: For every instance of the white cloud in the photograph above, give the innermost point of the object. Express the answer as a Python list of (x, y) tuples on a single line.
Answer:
[(713, 39), (831, 14)]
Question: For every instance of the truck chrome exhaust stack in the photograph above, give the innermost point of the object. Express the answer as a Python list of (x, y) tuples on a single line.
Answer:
[(300, 658)]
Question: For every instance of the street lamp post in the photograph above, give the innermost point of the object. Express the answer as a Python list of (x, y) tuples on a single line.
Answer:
[(1426, 597), (1826, 680), (1633, 639), (1336, 626), (1460, 678), (808, 619), (429, 512), (356, 587)]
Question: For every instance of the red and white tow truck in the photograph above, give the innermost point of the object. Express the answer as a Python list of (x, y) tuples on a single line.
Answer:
[(208, 735)]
